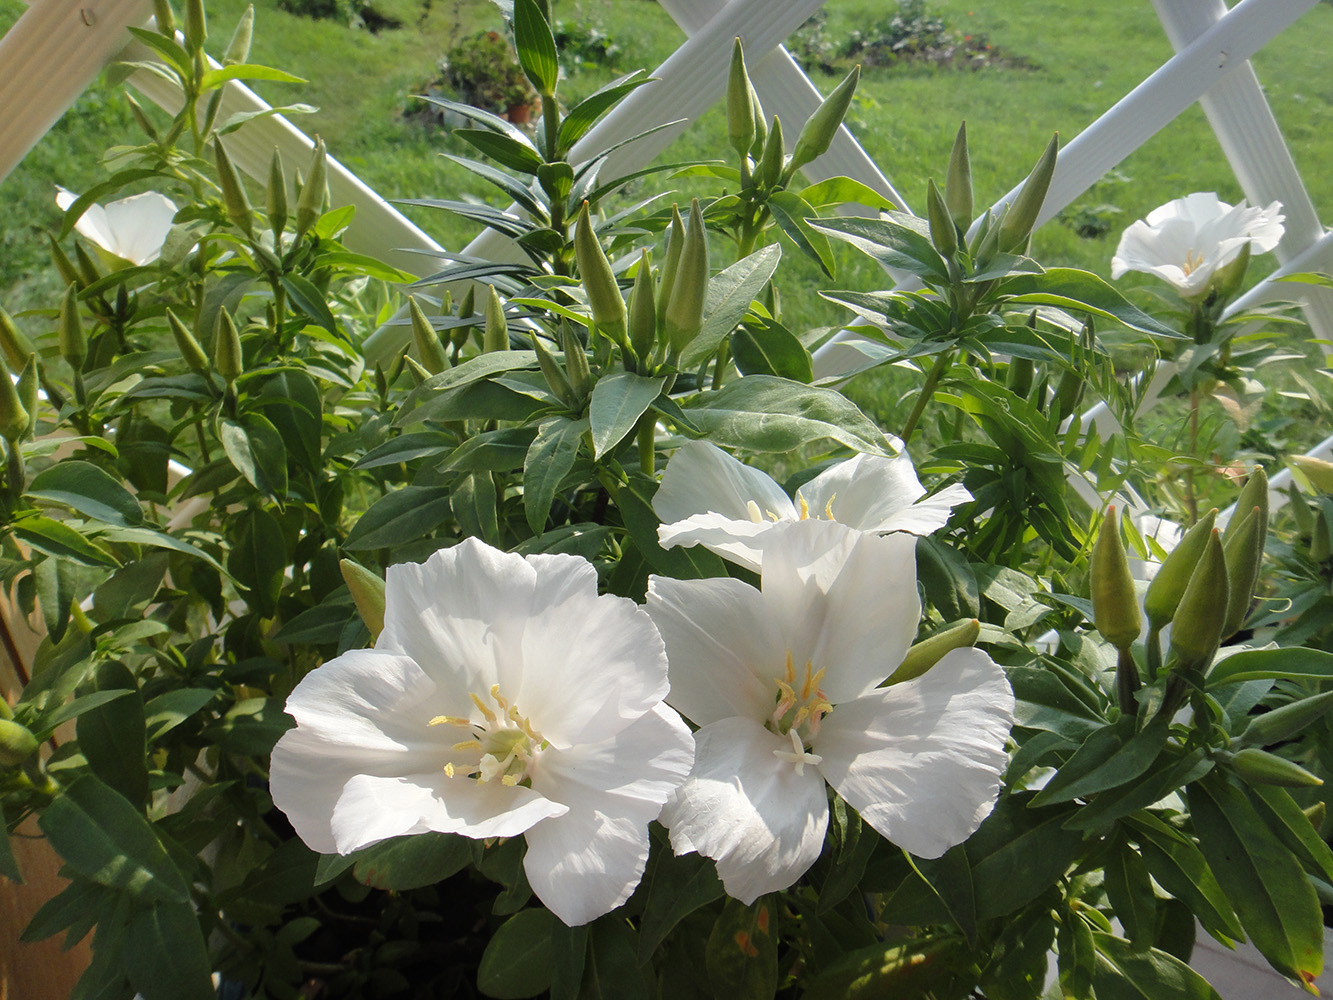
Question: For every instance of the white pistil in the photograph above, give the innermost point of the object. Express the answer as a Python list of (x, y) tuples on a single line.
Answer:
[(798, 755), (505, 742)]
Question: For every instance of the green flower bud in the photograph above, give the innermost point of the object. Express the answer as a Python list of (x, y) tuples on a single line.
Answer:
[(1196, 629), (1286, 722), (1021, 373), (768, 172), (69, 274), (760, 124), (987, 239), (89, 272), (14, 418), (576, 363), (667, 280), (1244, 551), (740, 105), (604, 299), (28, 384), (367, 590), (1253, 494), (1022, 215), (185, 343), (819, 129), (1228, 278), (496, 336), (227, 357), (419, 375), (429, 349), (310, 205), (1168, 586), (929, 651), (234, 199), (1315, 814), (942, 230), (1321, 546), (238, 49), (1115, 607), (140, 116), (556, 379), (1259, 767), (196, 27), (275, 197), (1300, 510), (13, 344), (643, 311), (958, 187), (1068, 392), (1316, 470), (73, 341), (685, 311), (165, 18), (17, 744)]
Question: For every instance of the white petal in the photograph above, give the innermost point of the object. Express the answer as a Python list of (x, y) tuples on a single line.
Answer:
[(740, 541), (845, 600), (139, 225), (880, 494), (701, 478), (588, 861), (761, 821), (921, 761), (724, 648)]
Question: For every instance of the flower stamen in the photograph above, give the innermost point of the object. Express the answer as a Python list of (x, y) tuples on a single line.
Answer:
[(505, 744)]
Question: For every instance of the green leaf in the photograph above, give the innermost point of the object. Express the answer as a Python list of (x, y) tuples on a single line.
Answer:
[(89, 490), (849, 847), (94, 194), (292, 403), (165, 954), (1108, 758), (68, 908), (1282, 664), (481, 367), (950, 879), (104, 838), (1124, 971), (44, 723), (215, 78), (1181, 869), (287, 876), (169, 709), (403, 863), (474, 506), (728, 299), (742, 950), (406, 447), (57, 586), (900, 242), (843, 191), (9, 866), (617, 402), (1274, 900), (535, 46), (675, 886), (399, 517), (1018, 852), (1167, 774), (516, 190), (768, 414), (258, 558), (491, 451), (518, 959), (1082, 291), (1129, 890), (1285, 818), (582, 116), (948, 579), (791, 212), (635, 505), (503, 149), (255, 448), (769, 348), (309, 300), (320, 625), (549, 459), (611, 970), (251, 727), (112, 735), (56, 538)]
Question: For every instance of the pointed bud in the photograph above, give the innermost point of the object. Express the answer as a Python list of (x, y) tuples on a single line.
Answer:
[(234, 199), (817, 133), (367, 590), (1068, 392), (643, 311), (1316, 470), (17, 744), (1316, 814), (576, 363), (73, 341), (69, 274), (760, 125), (196, 27), (14, 418), (310, 205), (28, 384), (928, 652), (667, 279), (429, 350), (942, 231), (1321, 546), (768, 171), (89, 272), (238, 49), (958, 187), (419, 375), (1284, 723), (1021, 373), (1245, 552), (1022, 214), (275, 197), (185, 343), (1300, 511), (685, 311), (1253, 494), (604, 299), (1196, 629), (496, 335), (1259, 767), (556, 380), (1115, 606), (1228, 278), (13, 344), (140, 116), (987, 240), (227, 357), (740, 105), (1173, 576), (165, 18)]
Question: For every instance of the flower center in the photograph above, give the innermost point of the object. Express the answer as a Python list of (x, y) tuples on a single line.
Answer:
[(757, 516), (1193, 259), (797, 713), (502, 746)]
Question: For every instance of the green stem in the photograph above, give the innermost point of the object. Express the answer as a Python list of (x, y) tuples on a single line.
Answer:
[(647, 434), (1127, 682), (551, 124), (1191, 496), (1154, 649), (927, 392)]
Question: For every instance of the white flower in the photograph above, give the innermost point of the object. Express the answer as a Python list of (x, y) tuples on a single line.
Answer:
[(709, 498), (133, 228), (503, 697), (1185, 241), (783, 682)]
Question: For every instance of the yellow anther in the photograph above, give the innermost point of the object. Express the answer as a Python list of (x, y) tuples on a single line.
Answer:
[(799, 718), (467, 745), (828, 508), (491, 717), (805, 507), (752, 509), (499, 700), (811, 684), (1192, 260), (509, 781), (791, 669), (448, 770), (773, 517)]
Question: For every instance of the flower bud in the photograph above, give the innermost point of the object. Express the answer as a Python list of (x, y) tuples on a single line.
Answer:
[(740, 105), (1196, 629), (685, 310), (227, 357), (1321, 546), (367, 590), (419, 375), (429, 350), (1244, 551), (140, 117), (987, 239), (1259, 767), (958, 187), (238, 49), (310, 205), (929, 651), (576, 363), (1283, 723), (275, 197), (643, 311), (556, 380), (1228, 278), (165, 17), (1168, 586), (819, 129), (1253, 494), (1300, 511), (667, 279), (496, 335), (604, 299), (196, 27), (1068, 392), (185, 343), (89, 272), (13, 344), (28, 383), (69, 274), (942, 230), (1316, 470), (73, 341), (1021, 373), (234, 200), (1315, 814), (1115, 607), (760, 124), (1017, 224), (14, 418), (17, 744), (768, 172)]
